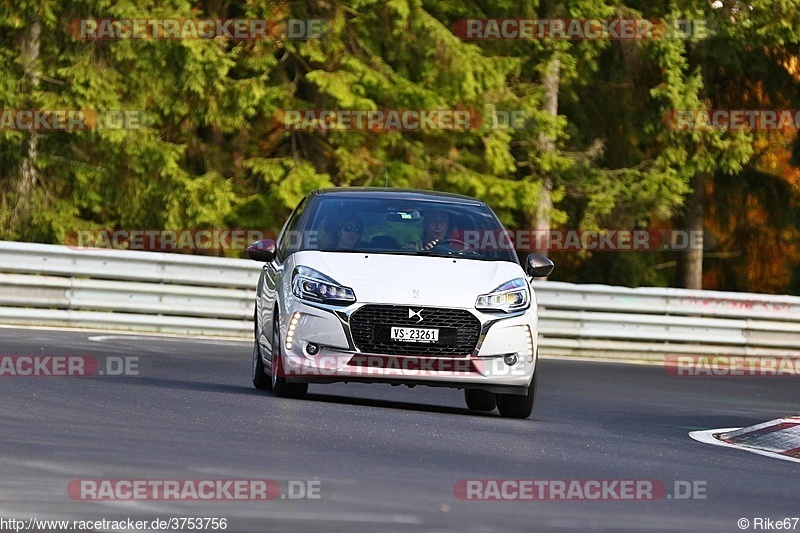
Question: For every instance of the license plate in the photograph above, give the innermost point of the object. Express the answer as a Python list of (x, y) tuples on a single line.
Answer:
[(414, 334)]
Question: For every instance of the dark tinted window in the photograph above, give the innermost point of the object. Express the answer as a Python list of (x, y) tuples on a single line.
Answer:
[(401, 226), (287, 241)]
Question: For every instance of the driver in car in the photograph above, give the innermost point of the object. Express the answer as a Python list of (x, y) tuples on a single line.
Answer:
[(435, 228)]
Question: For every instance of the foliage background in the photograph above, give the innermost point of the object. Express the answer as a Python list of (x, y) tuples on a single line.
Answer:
[(212, 156)]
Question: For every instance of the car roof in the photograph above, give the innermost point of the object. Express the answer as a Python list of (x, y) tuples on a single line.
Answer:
[(405, 194)]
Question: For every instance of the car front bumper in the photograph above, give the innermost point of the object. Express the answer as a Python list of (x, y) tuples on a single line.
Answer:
[(319, 348)]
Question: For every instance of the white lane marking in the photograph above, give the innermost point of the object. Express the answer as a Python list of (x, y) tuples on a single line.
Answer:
[(126, 334), (176, 507), (591, 359), (707, 437), (375, 518), (104, 338), (45, 466)]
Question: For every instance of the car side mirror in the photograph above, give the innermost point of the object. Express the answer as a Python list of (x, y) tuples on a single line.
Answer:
[(538, 266), (263, 250)]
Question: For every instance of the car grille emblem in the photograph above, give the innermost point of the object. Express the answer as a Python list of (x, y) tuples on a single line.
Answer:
[(412, 313)]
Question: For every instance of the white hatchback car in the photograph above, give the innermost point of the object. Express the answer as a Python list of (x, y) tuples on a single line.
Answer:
[(397, 286)]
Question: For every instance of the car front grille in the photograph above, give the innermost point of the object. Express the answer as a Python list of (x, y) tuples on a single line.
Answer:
[(369, 323)]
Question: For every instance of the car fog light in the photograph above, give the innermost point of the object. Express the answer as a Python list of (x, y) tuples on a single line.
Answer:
[(510, 359), (312, 349)]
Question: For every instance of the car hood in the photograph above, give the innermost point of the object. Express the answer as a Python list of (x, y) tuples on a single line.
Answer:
[(411, 279)]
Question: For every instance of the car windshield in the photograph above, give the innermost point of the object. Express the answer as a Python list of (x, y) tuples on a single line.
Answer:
[(406, 226)]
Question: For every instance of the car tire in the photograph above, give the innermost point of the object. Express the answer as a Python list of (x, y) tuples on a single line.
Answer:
[(279, 385), (519, 405), (480, 400), (261, 380)]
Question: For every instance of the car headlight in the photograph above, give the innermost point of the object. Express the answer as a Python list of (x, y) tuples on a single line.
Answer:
[(310, 284), (508, 297)]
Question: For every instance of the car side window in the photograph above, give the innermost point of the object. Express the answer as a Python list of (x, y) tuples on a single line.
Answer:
[(289, 240)]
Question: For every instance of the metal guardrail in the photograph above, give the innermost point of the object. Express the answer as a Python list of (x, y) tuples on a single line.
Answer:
[(172, 293)]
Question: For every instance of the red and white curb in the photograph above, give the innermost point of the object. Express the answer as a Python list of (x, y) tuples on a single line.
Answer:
[(779, 438)]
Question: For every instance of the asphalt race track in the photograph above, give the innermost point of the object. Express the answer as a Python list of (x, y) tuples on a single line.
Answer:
[(382, 458)]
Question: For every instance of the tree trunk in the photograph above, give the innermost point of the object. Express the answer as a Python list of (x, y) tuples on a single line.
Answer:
[(28, 171), (691, 261), (547, 144)]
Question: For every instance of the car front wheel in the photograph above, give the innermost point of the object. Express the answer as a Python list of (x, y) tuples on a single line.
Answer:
[(279, 385), (260, 379), (480, 400), (519, 405)]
